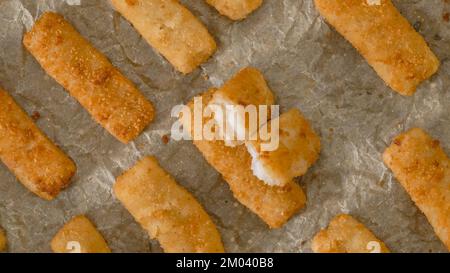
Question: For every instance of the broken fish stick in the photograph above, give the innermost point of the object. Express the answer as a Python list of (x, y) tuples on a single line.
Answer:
[(298, 149), (79, 235), (36, 162), (399, 54), (171, 29), (423, 169), (274, 205), (167, 211), (235, 9), (73, 62), (2, 240), (346, 235), (247, 88)]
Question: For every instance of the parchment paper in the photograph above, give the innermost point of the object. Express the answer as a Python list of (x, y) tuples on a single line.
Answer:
[(307, 64)]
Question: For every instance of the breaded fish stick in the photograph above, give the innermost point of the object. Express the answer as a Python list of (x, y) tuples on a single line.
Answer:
[(166, 210), (274, 205), (247, 87), (235, 9), (2, 240), (422, 167), (72, 61), (399, 54), (41, 166), (171, 29), (79, 235), (298, 149), (347, 235)]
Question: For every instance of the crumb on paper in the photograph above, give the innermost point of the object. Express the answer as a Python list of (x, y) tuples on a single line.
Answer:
[(36, 116), (165, 139)]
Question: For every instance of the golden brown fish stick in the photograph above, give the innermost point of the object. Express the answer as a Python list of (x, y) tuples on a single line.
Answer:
[(2, 240), (399, 54), (171, 29), (79, 235), (274, 205), (422, 167), (235, 9), (347, 235), (166, 210), (41, 166), (72, 61)]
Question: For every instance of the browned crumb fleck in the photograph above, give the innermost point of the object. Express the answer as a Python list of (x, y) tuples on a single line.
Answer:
[(165, 139), (36, 115), (446, 17)]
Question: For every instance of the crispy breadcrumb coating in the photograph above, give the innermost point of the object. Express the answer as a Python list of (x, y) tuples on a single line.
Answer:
[(79, 235), (423, 169), (167, 211), (388, 42), (171, 29), (38, 163), (111, 99)]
